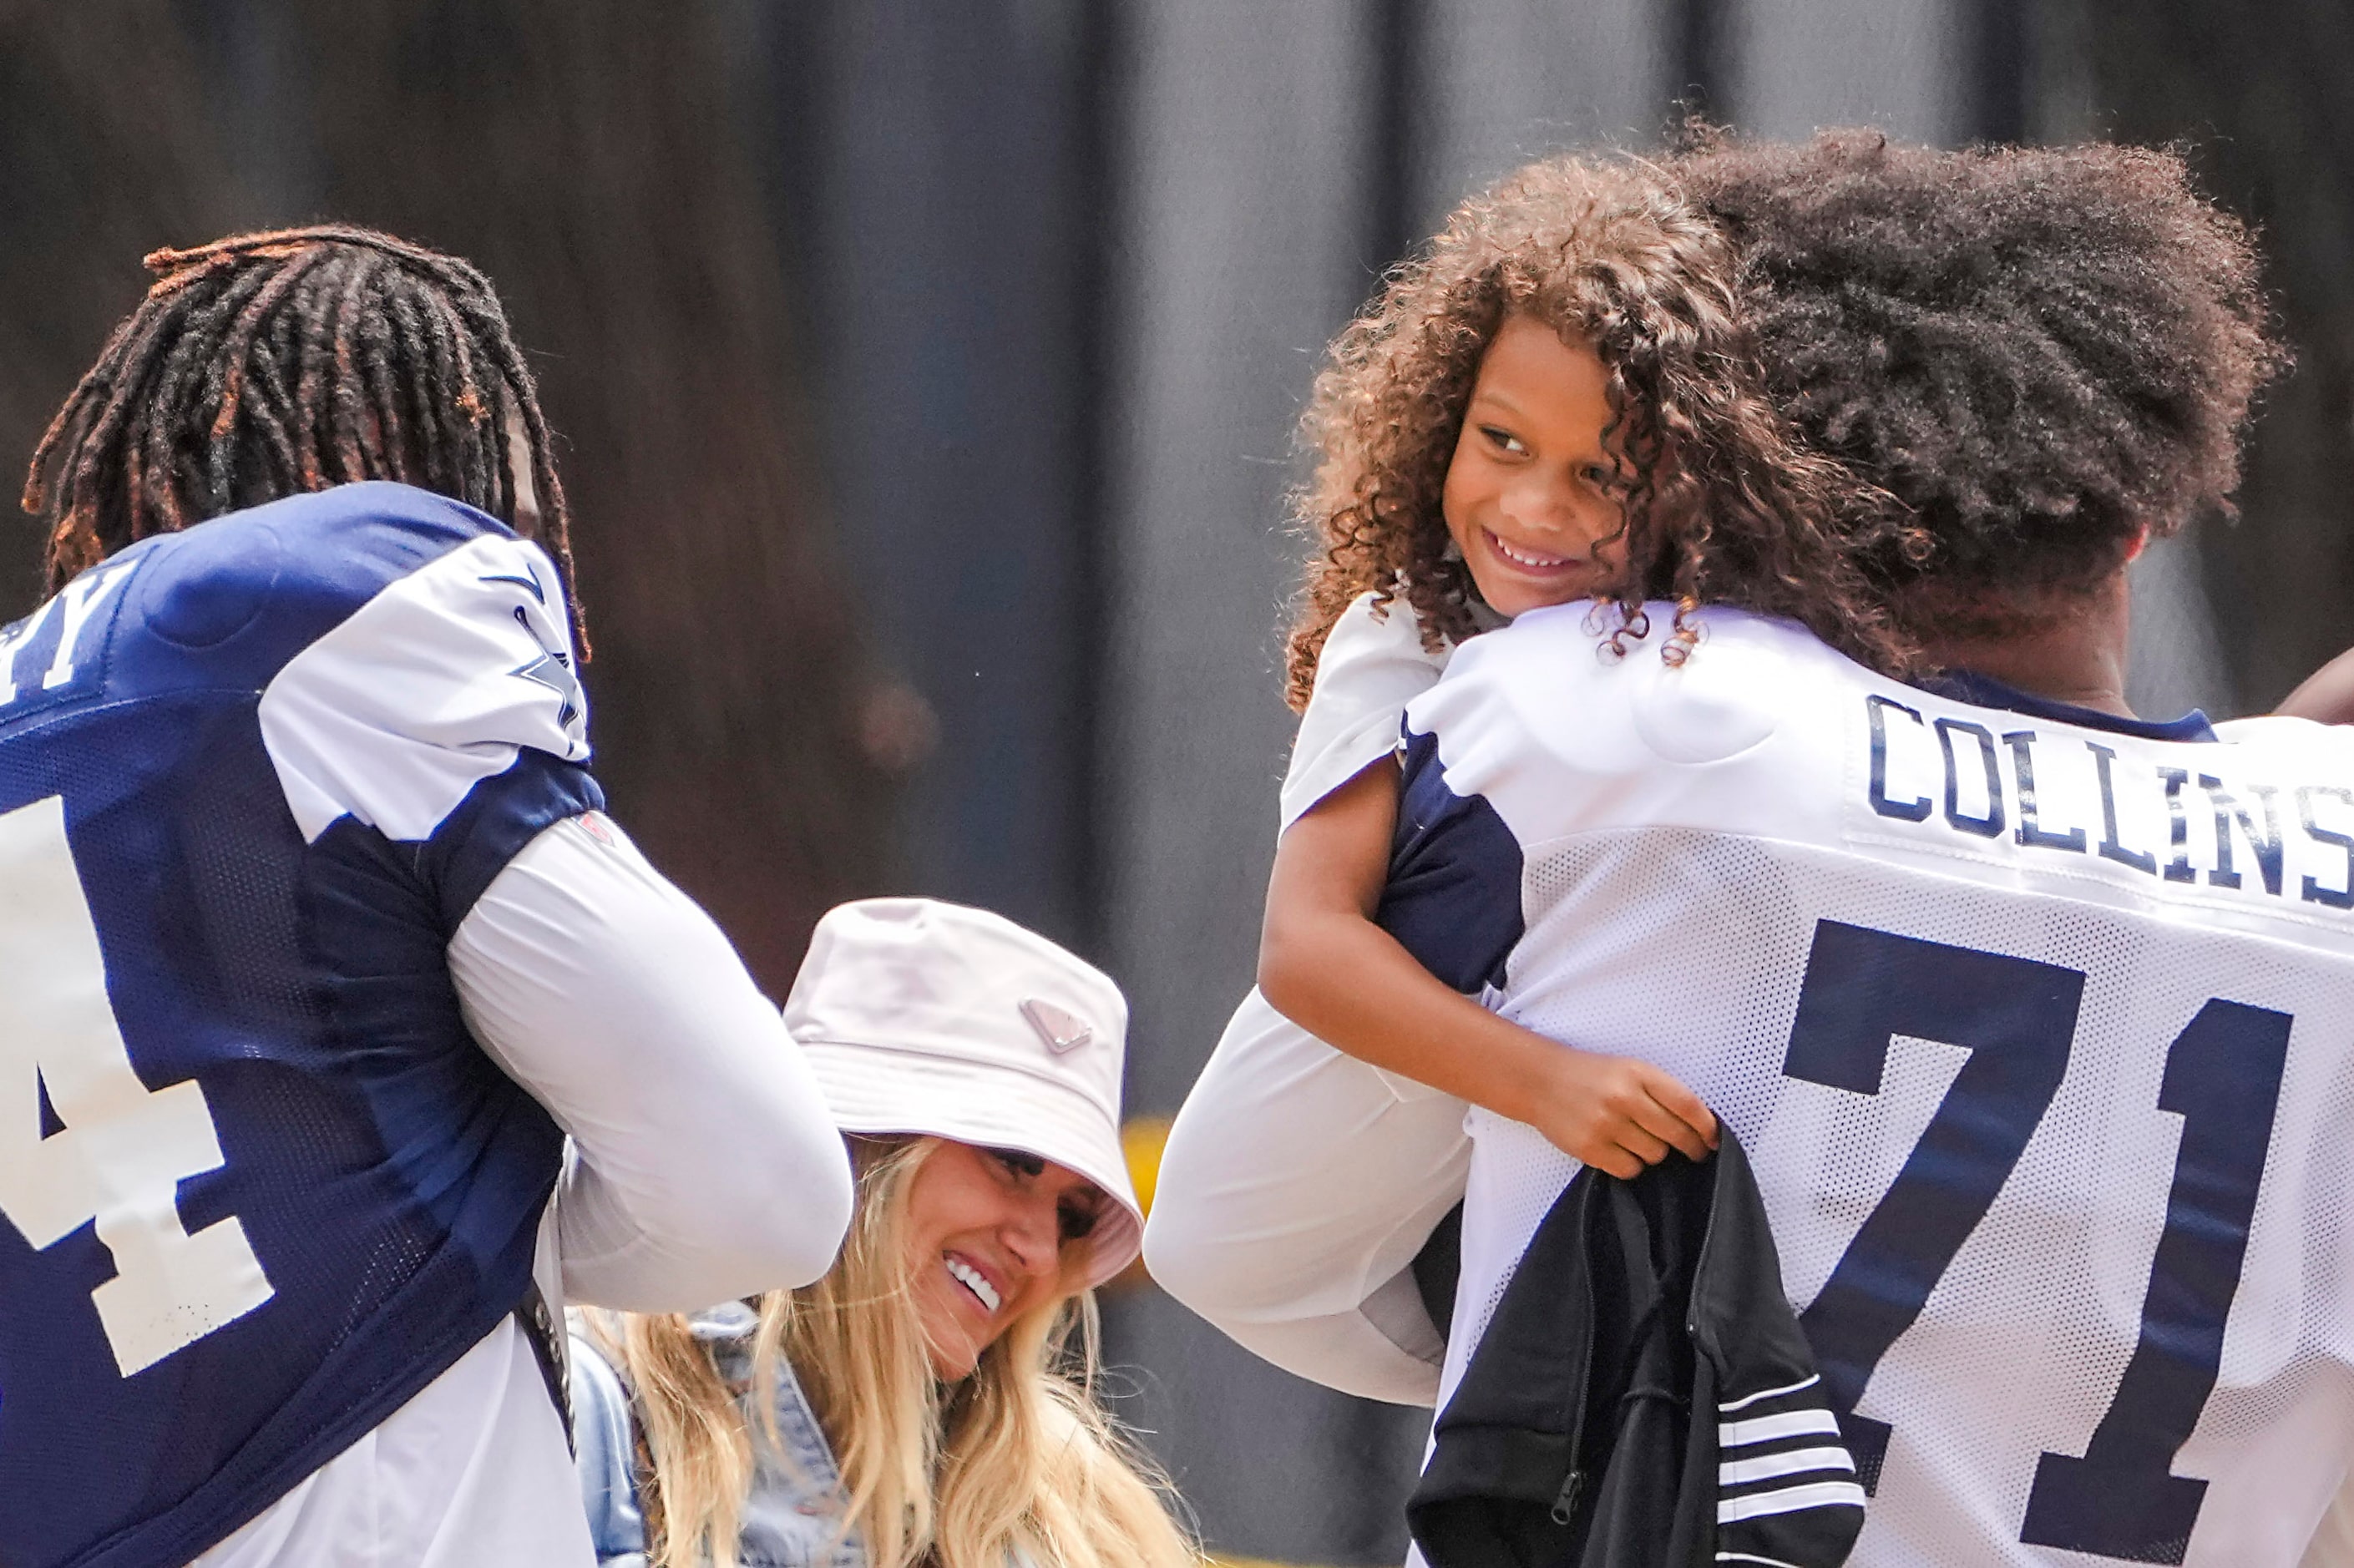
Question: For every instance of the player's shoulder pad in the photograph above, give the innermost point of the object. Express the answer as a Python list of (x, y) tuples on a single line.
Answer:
[(2307, 743), (1551, 691), (293, 567), (460, 656)]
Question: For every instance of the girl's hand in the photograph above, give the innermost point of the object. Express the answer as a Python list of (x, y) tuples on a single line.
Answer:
[(1619, 1115), (1325, 965)]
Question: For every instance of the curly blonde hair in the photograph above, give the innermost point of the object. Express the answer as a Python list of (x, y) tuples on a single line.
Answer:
[(1720, 504)]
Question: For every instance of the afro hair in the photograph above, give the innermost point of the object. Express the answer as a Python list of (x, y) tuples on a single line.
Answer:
[(2039, 352)]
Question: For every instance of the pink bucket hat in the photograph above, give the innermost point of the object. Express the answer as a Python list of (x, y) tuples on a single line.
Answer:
[(932, 1018)]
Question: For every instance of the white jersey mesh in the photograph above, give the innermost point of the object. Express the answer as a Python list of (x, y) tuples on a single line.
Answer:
[(2021, 1345), (1689, 946)]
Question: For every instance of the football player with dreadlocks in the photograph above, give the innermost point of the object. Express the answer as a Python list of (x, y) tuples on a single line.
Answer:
[(316, 945)]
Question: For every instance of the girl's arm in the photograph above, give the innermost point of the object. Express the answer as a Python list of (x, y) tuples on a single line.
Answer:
[(1325, 965)]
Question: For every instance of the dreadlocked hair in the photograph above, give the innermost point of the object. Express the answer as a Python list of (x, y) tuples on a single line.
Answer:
[(267, 365), (1719, 504)]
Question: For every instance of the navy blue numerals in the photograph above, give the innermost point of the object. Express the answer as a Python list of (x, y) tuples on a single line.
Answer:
[(2017, 1018), (2122, 1500)]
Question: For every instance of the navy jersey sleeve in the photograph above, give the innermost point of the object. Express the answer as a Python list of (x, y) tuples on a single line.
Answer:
[(1453, 899)]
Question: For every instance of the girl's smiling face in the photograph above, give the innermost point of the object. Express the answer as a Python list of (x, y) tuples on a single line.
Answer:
[(1529, 497), (992, 1233)]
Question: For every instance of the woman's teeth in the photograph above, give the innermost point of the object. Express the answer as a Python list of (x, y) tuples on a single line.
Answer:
[(972, 1279), (1527, 558)]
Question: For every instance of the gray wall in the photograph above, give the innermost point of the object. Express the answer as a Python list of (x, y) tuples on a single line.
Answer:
[(1797, 65)]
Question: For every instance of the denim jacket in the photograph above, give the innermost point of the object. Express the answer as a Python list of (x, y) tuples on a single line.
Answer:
[(792, 1516)]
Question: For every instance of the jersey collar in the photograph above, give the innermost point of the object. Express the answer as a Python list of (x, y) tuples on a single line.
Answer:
[(1986, 692)]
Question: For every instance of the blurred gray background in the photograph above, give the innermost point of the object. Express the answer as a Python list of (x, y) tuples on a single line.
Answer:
[(929, 374)]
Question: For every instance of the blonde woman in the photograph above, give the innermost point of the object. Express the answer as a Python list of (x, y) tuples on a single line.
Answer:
[(928, 1401)]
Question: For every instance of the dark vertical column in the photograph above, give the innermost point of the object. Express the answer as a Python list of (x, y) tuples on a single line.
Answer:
[(1697, 55), (2258, 93), (1393, 29), (1370, 1450), (1101, 74), (256, 99), (2002, 68), (955, 296), (790, 102)]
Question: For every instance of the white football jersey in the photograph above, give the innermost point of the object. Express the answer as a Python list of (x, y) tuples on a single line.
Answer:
[(2038, 1027)]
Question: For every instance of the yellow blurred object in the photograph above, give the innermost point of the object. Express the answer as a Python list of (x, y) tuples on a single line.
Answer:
[(1141, 1140)]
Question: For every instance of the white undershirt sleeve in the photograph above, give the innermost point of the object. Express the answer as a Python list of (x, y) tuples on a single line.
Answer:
[(1298, 1183), (707, 1165), (1296, 1188), (1372, 665)]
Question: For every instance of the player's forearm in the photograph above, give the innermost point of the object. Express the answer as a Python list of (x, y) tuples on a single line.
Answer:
[(709, 1167), (1296, 1186), (1349, 982), (2326, 695)]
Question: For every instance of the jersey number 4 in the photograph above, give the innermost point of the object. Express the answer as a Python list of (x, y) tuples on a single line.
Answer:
[(82, 1140), (2017, 1019)]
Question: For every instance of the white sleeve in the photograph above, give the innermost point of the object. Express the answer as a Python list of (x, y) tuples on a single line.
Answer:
[(1296, 1188), (707, 1166), (1372, 665)]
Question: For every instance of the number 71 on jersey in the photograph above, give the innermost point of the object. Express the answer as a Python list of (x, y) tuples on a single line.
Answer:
[(2017, 1019)]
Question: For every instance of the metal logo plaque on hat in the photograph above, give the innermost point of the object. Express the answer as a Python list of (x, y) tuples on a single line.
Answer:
[(1058, 1029)]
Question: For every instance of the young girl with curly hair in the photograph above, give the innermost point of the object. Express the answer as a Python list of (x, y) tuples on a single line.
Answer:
[(1557, 400)]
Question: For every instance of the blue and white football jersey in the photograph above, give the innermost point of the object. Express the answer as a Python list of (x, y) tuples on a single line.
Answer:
[(258, 1185), (2039, 1027)]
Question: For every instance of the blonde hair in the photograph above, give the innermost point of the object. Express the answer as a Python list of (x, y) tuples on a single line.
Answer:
[(1016, 1458)]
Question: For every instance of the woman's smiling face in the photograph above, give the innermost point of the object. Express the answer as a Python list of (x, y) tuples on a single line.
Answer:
[(1530, 499), (992, 1233)]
